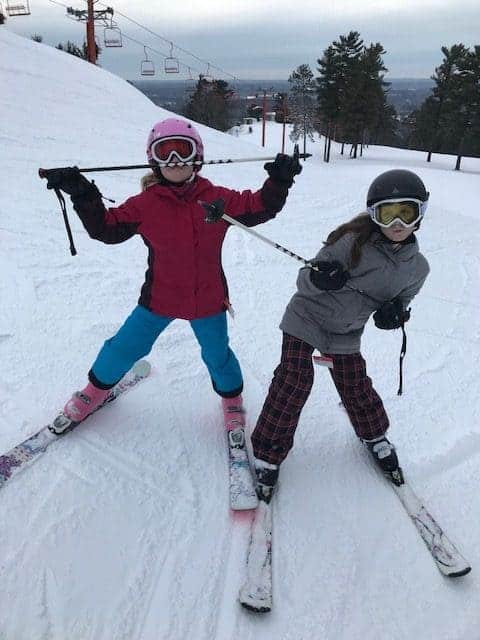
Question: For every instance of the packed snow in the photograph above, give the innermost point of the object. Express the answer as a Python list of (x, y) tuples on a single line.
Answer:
[(122, 530)]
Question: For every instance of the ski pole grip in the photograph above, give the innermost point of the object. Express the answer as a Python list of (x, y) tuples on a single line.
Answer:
[(215, 210)]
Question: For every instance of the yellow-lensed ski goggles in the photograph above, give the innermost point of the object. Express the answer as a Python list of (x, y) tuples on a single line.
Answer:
[(406, 212)]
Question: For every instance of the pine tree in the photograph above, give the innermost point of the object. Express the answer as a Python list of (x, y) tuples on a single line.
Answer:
[(302, 104), (75, 50), (443, 97), (72, 48), (474, 102), (349, 51), (352, 92), (448, 121), (210, 104), (423, 127), (329, 90), (376, 119)]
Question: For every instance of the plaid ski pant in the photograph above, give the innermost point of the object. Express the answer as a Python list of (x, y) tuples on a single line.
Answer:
[(292, 382)]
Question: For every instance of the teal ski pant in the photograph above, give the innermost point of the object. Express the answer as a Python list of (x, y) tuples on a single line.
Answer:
[(136, 337)]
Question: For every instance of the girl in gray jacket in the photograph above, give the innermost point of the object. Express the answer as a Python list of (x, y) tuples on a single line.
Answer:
[(371, 264)]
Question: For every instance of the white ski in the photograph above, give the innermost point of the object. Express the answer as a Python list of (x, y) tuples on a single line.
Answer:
[(256, 593), (242, 489), (448, 559), (15, 460)]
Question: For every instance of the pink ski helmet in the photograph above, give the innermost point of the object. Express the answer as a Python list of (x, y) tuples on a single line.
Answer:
[(174, 127)]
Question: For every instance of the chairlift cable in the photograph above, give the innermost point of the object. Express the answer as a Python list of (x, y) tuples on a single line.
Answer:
[(142, 44), (169, 42)]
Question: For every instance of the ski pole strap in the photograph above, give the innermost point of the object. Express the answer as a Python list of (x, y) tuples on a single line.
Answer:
[(63, 207), (403, 351)]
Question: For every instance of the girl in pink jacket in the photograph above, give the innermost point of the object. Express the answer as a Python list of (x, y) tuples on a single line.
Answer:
[(184, 278)]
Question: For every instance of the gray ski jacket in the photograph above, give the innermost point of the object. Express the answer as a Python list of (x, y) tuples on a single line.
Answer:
[(333, 321)]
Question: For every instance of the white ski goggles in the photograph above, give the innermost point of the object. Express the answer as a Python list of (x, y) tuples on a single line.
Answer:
[(179, 148), (406, 211)]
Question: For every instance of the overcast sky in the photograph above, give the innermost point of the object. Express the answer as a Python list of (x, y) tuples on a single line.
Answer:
[(259, 39)]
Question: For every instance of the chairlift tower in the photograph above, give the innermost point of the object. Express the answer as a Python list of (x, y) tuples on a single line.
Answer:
[(267, 93), (90, 16)]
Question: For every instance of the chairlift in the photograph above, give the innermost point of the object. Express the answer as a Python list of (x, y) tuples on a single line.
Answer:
[(147, 68), (112, 37), (171, 63), (17, 8), (207, 77)]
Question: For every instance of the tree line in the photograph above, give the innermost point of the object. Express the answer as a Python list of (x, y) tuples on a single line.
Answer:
[(448, 121), (70, 47), (348, 102)]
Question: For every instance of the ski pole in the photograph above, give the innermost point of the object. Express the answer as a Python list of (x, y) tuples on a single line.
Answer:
[(43, 173), (215, 212)]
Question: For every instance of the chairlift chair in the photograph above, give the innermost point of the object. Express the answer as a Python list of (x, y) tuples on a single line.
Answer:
[(112, 37), (17, 8), (147, 68), (171, 63), (207, 77)]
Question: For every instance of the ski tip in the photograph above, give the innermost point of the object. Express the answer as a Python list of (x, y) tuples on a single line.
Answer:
[(459, 573), (254, 599), (259, 608)]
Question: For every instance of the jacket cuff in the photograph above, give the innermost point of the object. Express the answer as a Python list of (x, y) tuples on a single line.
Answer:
[(274, 194)]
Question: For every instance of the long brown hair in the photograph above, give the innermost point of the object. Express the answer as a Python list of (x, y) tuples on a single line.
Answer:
[(363, 227)]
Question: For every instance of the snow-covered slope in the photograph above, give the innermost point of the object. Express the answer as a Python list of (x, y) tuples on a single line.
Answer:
[(122, 531)]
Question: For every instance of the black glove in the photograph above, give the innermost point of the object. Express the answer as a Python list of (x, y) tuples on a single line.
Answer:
[(283, 168), (330, 276), (70, 180), (215, 209), (391, 315)]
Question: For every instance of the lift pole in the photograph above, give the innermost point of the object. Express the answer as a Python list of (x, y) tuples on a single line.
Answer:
[(91, 47), (89, 16)]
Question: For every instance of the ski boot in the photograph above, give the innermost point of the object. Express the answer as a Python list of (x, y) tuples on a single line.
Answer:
[(385, 457), (233, 413), (267, 476), (79, 407)]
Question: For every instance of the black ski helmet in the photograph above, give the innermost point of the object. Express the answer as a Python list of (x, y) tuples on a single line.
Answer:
[(396, 184)]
